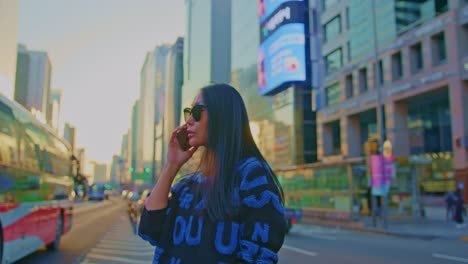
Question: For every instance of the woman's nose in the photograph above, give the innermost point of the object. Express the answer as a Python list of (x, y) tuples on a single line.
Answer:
[(190, 121)]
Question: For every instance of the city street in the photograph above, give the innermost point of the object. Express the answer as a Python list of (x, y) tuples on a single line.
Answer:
[(89, 226), (103, 234)]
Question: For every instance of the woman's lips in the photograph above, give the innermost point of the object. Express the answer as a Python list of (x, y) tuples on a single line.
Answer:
[(190, 134)]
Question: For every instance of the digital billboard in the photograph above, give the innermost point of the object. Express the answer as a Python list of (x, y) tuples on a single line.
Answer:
[(282, 55)]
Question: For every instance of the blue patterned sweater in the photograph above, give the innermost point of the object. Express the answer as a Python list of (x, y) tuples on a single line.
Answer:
[(183, 233)]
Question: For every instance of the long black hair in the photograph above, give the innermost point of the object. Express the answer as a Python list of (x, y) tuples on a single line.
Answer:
[(229, 140)]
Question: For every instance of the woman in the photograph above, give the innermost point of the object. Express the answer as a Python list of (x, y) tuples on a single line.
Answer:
[(231, 211)]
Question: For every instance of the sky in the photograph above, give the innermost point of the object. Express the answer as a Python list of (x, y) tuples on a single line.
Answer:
[(97, 48)]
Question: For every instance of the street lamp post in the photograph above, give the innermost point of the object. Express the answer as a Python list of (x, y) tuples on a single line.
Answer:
[(377, 86)]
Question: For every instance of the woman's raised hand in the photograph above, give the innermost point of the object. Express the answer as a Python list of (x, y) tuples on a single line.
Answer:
[(175, 155)]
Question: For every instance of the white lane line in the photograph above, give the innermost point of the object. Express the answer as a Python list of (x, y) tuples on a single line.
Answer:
[(298, 250), (122, 252), (122, 242), (124, 260), (117, 247), (322, 237), (442, 256)]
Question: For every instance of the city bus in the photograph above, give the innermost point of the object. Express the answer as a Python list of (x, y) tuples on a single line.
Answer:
[(36, 189)]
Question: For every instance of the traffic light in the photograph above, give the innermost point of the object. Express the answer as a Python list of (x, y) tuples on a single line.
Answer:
[(131, 169), (147, 170)]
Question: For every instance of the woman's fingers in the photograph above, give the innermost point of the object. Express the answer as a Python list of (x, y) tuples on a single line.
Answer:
[(192, 150), (174, 132)]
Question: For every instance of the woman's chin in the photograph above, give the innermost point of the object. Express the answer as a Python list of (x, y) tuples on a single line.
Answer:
[(193, 142)]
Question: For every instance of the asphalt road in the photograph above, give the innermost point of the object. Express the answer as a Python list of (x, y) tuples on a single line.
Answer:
[(105, 235), (88, 227), (325, 245)]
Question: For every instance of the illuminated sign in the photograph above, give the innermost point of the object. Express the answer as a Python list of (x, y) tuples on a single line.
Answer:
[(267, 7), (282, 52)]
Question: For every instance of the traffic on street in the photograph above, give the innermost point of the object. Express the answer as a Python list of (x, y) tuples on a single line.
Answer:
[(233, 131), (110, 238)]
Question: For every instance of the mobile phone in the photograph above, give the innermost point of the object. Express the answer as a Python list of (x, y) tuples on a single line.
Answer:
[(183, 139)]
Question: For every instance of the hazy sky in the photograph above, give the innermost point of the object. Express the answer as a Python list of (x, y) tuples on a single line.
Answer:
[(97, 48)]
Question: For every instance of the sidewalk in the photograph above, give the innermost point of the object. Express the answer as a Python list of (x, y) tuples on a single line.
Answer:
[(434, 226)]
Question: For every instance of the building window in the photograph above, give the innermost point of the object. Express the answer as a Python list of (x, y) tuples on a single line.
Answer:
[(441, 6), (380, 73), (332, 138), (429, 123), (333, 61), (336, 136), (363, 85), (464, 33), (397, 66), (347, 18), (416, 54), (333, 94), (332, 29), (439, 49), (348, 51), (349, 86)]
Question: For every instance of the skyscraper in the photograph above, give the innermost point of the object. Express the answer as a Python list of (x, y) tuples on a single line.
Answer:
[(207, 49), (134, 138), (69, 133), (81, 155), (151, 98), (33, 79), (283, 124), (55, 109), (173, 92), (9, 13), (100, 173)]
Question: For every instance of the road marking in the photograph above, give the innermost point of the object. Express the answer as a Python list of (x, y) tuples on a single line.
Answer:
[(442, 256), (298, 250), (139, 248), (122, 252), (125, 243), (322, 237), (119, 259)]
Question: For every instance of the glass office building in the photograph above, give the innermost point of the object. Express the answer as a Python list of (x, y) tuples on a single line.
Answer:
[(282, 125), (9, 16), (207, 52), (420, 73)]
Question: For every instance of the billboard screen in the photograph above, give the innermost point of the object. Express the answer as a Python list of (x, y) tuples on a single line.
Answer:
[(282, 58)]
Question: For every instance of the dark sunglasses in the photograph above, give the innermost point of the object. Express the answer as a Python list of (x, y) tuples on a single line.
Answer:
[(195, 111)]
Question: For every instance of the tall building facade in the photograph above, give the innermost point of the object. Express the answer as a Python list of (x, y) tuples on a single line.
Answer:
[(283, 125), (81, 155), (33, 81), (150, 106), (9, 16), (100, 173), (55, 112), (69, 133), (134, 139), (115, 170), (173, 92), (153, 168), (207, 49), (417, 64)]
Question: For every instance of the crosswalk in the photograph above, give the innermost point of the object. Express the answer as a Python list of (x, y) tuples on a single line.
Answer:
[(120, 245)]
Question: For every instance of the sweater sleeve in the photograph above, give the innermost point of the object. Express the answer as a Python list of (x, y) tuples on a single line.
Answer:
[(263, 224), (152, 222)]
